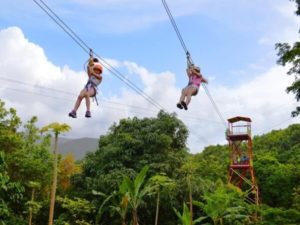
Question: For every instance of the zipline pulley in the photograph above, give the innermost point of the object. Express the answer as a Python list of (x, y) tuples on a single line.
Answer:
[(189, 59), (91, 53)]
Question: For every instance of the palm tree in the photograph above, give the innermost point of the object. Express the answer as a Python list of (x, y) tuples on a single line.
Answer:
[(185, 217), (121, 207), (57, 129), (189, 169), (161, 183), (33, 185), (137, 190)]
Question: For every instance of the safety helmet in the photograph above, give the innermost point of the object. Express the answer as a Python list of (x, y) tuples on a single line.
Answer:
[(95, 60), (197, 68), (97, 66)]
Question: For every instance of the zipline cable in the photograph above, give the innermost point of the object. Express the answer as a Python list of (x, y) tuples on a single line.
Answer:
[(108, 66), (175, 27), (70, 29), (61, 26), (54, 90), (214, 104), (81, 43), (87, 49), (190, 61)]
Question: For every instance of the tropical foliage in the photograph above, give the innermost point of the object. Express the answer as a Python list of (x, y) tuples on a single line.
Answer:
[(290, 55), (142, 173)]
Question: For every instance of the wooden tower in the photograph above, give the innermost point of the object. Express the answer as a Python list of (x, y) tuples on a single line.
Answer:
[(241, 172)]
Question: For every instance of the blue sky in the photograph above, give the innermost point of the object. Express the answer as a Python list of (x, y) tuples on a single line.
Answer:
[(232, 41)]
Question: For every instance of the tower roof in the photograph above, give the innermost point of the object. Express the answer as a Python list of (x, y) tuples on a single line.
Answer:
[(239, 118)]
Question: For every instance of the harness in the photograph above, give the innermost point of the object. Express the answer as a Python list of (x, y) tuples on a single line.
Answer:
[(93, 82)]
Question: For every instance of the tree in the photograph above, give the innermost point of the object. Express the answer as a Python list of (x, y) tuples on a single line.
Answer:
[(137, 190), (67, 168), (57, 129), (77, 211), (296, 198), (9, 124), (270, 175), (27, 158), (131, 144), (33, 206), (161, 183), (291, 55), (225, 202), (10, 192), (31, 161), (274, 216), (186, 217), (189, 169), (119, 202)]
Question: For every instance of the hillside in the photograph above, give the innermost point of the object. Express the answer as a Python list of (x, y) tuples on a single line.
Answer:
[(78, 147)]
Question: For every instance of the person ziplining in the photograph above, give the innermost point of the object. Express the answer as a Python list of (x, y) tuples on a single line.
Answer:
[(193, 71), (195, 80), (91, 90), (94, 72)]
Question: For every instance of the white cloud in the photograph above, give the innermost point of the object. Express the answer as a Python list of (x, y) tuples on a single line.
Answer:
[(285, 25), (263, 98)]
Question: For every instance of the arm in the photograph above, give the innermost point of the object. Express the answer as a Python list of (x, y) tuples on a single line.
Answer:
[(88, 68), (197, 73), (189, 72), (98, 76), (204, 80)]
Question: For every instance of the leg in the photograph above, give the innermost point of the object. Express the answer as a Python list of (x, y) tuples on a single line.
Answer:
[(90, 92), (181, 99), (190, 91), (79, 99), (77, 104), (183, 95)]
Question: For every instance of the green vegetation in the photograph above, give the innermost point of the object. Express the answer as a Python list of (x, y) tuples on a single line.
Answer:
[(142, 173), (291, 55)]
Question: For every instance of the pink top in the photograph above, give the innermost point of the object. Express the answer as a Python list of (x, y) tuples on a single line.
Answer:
[(195, 80)]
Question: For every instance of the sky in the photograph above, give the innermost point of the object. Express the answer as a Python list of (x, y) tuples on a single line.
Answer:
[(42, 68)]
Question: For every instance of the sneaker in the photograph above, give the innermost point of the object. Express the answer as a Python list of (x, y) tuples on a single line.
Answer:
[(88, 114), (72, 114), (184, 105), (179, 106)]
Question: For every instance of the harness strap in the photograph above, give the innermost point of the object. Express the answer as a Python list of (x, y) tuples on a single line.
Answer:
[(95, 89)]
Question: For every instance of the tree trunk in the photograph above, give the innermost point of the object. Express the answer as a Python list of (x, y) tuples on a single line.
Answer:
[(191, 199), (157, 208), (221, 221), (30, 209), (215, 221), (54, 183), (134, 217)]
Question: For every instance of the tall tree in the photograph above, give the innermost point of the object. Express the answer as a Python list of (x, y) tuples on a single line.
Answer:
[(158, 142), (57, 129), (161, 183), (189, 169), (33, 206), (291, 55)]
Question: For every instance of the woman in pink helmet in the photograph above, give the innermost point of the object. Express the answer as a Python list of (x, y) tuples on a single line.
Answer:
[(94, 71), (195, 80)]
